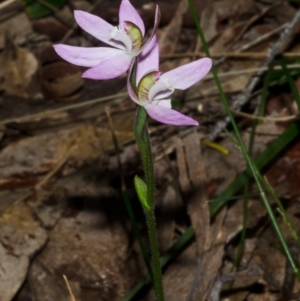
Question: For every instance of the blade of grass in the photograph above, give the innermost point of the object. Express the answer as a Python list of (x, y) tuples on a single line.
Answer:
[(282, 211), (255, 123), (270, 153), (270, 189), (291, 83), (250, 163)]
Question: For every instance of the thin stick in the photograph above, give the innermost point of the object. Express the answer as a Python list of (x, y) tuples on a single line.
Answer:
[(7, 3), (244, 96), (276, 119), (250, 70), (69, 288), (64, 108), (250, 55)]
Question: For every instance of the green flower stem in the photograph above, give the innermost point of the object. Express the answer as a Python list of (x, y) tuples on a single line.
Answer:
[(143, 142)]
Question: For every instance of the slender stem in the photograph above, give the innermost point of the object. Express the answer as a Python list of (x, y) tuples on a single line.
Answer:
[(143, 142)]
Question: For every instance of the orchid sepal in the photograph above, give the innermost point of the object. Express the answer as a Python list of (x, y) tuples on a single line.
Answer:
[(169, 116)]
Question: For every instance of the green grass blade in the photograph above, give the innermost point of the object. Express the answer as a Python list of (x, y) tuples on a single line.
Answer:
[(255, 123), (291, 83), (254, 170)]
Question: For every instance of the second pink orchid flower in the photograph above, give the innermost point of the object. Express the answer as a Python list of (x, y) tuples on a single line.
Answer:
[(154, 87)]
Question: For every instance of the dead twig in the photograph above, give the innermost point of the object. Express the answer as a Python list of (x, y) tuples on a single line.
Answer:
[(250, 55), (62, 109), (276, 119), (244, 96), (216, 289), (238, 53), (72, 298)]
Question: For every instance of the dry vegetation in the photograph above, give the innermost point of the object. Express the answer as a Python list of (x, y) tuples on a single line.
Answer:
[(61, 207)]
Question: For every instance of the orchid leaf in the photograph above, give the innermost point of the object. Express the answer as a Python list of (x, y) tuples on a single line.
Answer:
[(141, 189)]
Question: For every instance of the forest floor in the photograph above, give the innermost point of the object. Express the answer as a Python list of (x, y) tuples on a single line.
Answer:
[(62, 202)]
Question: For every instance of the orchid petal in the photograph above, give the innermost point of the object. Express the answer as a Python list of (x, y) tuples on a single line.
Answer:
[(155, 26), (166, 103), (86, 57), (187, 75), (110, 68), (130, 90), (121, 36), (129, 87), (128, 13), (168, 116), (159, 91), (148, 59), (97, 27)]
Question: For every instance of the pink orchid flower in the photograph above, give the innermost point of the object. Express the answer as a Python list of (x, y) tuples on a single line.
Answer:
[(127, 38), (154, 87)]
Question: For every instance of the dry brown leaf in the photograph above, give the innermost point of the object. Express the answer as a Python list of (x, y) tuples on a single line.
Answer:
[(193, 179), (222, 169), (89, 246), (61, 81), (11, 28), (168, 203), (21, 237), (218, 15), (25, 161), (18, 66), (169, 37), (179, 276), (50, 27), (284, 175)]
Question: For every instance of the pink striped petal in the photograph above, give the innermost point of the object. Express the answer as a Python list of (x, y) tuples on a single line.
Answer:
[(122, 37), (148, 59), (162, 103), (128, 13), (110, 68), (86, 57), (168, 116), (159, 91), (187, 75), (96, 27)]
